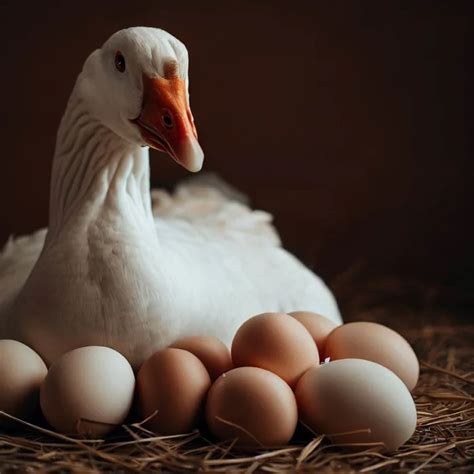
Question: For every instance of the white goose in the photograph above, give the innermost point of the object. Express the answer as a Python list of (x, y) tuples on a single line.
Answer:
[(109, 272)]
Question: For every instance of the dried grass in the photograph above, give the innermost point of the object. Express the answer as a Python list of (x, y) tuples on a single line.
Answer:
[(428, 316)]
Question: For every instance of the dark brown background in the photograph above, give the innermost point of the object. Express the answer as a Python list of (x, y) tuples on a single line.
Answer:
[(349, 121)]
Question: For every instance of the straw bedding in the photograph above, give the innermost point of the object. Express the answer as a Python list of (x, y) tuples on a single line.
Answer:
[(435, 320)]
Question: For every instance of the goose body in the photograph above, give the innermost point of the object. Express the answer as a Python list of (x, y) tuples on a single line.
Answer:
[(115, 268)]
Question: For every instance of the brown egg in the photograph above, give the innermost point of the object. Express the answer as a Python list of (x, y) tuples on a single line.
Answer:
[(174, 383), (318, 326), (252, 405), (90, 383), (371, 341), (363, 399), (276, 342), (22, 371), (212, 352)]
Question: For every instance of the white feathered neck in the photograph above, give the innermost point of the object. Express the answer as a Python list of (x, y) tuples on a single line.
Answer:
[(96, 171)]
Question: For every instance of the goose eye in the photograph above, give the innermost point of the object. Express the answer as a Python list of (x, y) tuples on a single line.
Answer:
[(119, 62)]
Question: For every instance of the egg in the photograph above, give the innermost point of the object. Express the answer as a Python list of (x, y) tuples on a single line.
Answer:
[(173, 383), (88, 391), (275, 342), (371, 341), (318, 326), (252, 406), (358, 396), (212, 352), (21, 373)]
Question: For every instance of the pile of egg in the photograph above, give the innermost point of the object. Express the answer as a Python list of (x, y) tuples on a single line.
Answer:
[(254, 394)]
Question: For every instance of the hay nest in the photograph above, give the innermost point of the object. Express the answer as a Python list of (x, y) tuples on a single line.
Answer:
[(429, 316)]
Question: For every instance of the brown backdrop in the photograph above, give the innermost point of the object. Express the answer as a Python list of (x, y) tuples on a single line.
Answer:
[(347, 120)]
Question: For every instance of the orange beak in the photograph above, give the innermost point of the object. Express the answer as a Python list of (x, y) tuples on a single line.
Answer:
[(166, 122)]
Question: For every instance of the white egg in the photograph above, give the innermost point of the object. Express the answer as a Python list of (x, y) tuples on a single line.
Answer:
[(21, 373), (357, 401), (88, 391)]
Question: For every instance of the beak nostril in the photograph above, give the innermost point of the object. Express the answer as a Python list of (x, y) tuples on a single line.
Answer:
[(167, 120)]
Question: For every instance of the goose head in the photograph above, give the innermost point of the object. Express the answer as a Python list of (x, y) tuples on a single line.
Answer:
[(137, 86)]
